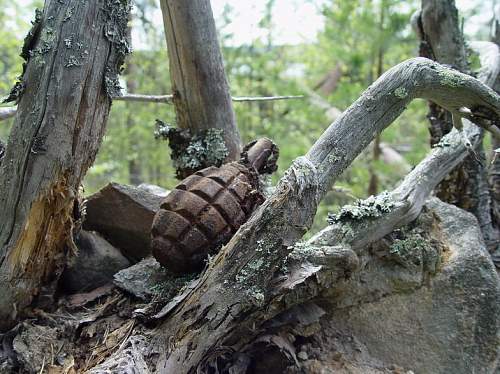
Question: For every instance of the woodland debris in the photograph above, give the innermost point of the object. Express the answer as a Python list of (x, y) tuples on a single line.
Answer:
[(81, 299), (123, 215), (38, 348), (94, 265)]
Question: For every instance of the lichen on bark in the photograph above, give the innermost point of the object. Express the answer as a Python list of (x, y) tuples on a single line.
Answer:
[(193, 152)]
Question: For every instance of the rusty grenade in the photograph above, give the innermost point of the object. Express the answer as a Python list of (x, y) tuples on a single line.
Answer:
[(206, 209)]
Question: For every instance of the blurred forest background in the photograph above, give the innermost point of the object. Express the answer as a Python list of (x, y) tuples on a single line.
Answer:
[(356, 41)]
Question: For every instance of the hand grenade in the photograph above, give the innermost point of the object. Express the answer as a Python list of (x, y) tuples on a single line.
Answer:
[(206, 209)]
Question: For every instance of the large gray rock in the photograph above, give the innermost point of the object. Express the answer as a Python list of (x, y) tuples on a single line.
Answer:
[(430, 310), (123, 215), (94, 266)]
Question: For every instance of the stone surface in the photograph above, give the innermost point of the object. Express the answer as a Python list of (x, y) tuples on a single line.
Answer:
[(141, 279), (154, 189), (123, 215), (148, 279), (425, 315), (94, 266)]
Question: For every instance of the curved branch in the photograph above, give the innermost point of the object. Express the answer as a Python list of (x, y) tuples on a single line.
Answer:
[(230, 296)]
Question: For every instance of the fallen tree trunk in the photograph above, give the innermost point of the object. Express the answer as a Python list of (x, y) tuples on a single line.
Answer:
[(240, 290), (73, 57)]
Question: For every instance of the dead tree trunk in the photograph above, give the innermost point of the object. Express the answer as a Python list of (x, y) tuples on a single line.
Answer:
[(73, 57), (467, 186), (201, 92)]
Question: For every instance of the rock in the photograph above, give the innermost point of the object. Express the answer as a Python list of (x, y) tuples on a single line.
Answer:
[(425, 315), (148, 279), (94, 266), (154, 189), (123, 215), (141, 279)]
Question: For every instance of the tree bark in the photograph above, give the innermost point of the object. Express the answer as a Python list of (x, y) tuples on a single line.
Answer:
[(74, 53), (467, 186), (201, 92), (245, 285)]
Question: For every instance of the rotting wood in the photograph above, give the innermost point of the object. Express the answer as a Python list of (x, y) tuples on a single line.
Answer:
[(73, 56)]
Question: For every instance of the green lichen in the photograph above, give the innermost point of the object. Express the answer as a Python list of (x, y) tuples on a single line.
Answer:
[(256, 295), (442, 143), (414, 250), (401, 92), (372, 207), (170, 286), (450, 79), (193, 152)]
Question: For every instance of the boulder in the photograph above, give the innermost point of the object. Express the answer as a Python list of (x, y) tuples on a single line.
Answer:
[(426, 309), (95, 264), (123, 215)]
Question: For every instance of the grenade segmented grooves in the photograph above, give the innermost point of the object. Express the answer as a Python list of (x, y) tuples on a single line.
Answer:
[(202, 213)]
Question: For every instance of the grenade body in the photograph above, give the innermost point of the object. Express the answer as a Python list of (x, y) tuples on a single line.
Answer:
[(202, 213)]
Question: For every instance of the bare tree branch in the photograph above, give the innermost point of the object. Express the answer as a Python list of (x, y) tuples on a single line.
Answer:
[(9, 112), (6, 113), (229, 298)]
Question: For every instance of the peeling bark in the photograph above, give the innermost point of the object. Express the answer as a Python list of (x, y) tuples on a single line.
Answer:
[(74, 53)]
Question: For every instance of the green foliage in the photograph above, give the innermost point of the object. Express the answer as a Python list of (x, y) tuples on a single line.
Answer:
[(362, 37)]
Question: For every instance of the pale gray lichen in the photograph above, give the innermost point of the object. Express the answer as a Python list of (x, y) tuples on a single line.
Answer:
[(193, 152), (414, 251), (72, 61), (450, 79), (256, 295), (68, 42), (69, 13), (401, 92), (444, 142), (372, 207)]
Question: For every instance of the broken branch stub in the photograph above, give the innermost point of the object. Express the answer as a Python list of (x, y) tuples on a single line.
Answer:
[(228, 300)]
